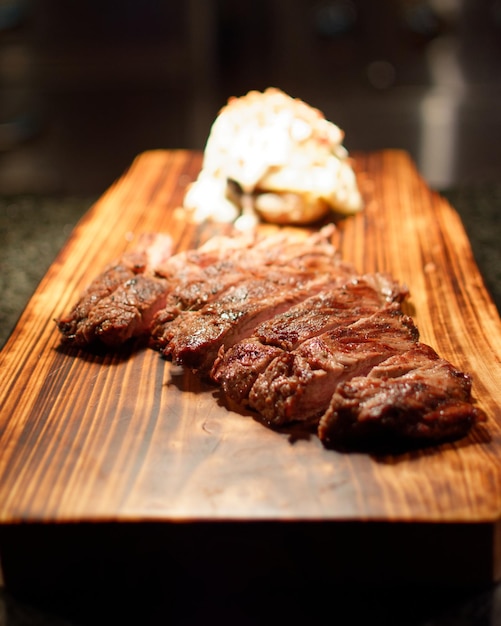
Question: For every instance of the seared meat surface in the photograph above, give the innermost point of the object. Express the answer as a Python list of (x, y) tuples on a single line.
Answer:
[(121, 301), (194, 337), (334, 306), (276, 258), (298, 385), (127, 312), (414, 395)]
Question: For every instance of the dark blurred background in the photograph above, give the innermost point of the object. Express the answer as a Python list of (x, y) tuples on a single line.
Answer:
[(85, 86)]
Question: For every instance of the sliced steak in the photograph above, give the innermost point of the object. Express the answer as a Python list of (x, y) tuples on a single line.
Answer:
[(126, 313), (193, 290), (286, 329), (415, 395), (190, 265), (101, 287), (237, 368), (341, 305), (117, 283), (194, 338), (298, 385)]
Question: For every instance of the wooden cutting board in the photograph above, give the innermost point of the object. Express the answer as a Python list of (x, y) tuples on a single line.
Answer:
[(128, 437)]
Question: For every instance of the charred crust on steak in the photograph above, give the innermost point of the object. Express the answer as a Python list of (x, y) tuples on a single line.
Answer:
[(119, 304), (415, 396)]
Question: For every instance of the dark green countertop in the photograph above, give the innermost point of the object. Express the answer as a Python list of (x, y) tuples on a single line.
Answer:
[(480, 209), (32, 231)]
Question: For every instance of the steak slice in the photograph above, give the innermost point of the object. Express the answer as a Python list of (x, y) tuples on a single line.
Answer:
[(341, 305), (119, 282), (190, 265), (194, 293), (237, 368), (298, 385), (125, 313), (193, 290), (415, 395), (195, 337)]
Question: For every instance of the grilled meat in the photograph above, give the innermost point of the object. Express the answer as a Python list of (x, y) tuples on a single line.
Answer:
[(121, 301), (126, 313), (414, 395), (266, 259), (287, 330), (196, 336), (298, 385), (236, 368)]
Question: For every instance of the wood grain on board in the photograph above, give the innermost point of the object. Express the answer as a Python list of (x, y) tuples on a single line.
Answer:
[(126, 436)]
